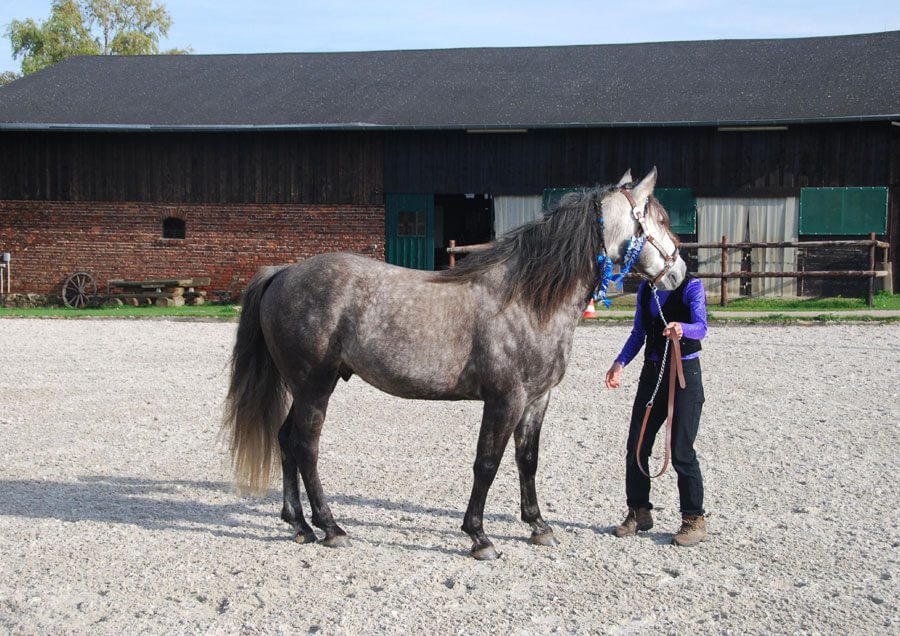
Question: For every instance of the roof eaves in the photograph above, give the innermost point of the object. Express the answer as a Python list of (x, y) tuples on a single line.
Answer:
[(349, 126)]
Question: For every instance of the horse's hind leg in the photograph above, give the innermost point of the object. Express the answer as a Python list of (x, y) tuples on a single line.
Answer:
[(310, 405), (528, 435), (498, 421), (292, 510)]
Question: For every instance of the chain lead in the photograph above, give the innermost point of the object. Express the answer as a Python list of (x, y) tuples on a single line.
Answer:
[(662, 362)]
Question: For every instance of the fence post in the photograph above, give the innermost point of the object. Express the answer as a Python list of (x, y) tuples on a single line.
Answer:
[(452, 254), (870, 297), (723, 297)]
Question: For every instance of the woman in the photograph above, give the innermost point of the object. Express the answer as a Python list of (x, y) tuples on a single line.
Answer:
[(685, 309)]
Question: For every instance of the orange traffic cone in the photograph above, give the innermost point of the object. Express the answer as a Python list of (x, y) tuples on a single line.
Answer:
[(590, 312)]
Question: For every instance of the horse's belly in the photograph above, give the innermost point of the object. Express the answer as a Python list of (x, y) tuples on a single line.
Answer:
[(415, 381), (416, 346)]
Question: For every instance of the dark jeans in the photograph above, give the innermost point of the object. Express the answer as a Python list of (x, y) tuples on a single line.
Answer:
[(686, 421)]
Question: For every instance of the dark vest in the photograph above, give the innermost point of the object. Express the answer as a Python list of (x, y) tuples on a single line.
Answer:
[(675, 310)]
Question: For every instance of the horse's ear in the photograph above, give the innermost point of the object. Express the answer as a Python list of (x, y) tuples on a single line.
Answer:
[(626, 178), (644, 189)]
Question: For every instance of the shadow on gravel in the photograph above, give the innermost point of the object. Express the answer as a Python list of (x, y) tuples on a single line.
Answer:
[(184, 505), (151, 504)]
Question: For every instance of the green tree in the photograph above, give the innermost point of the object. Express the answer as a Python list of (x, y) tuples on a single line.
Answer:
[(8, 76), (90, 27)]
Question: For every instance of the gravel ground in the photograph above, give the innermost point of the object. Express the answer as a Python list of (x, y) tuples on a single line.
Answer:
[(117, 514)]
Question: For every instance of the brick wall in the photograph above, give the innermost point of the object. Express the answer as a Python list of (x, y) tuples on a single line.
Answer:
[(50, 240)]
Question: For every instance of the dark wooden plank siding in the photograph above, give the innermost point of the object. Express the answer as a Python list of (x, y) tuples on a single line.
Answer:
[(359, 167), (275, 167), (713, 163)]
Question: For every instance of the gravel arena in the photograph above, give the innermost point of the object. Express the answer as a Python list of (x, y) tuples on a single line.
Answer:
[(117, 512)]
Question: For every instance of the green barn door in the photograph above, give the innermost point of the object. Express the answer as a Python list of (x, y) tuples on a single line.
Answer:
[(410, 230)]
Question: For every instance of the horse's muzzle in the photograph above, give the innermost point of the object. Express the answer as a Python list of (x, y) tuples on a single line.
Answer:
[(674, 276)]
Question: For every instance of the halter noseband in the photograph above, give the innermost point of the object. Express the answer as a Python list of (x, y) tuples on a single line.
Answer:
[(640, 215)]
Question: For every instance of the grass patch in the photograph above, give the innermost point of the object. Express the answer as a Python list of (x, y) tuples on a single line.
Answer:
[(222, 312), (769, 319), (782, 318), (780, 310), (882, 300)]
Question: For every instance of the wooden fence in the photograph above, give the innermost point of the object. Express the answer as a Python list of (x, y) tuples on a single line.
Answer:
[(871, 273)]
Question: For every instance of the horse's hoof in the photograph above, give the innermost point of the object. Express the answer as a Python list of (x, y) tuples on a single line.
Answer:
[(485, 553), (337, 541), (305, 537), (545, 538)]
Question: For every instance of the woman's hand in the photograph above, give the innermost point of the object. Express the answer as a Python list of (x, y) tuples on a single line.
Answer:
[(673, 328), (613, 375)]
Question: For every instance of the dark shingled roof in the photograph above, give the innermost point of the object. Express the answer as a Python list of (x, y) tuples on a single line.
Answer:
[(817, 79)]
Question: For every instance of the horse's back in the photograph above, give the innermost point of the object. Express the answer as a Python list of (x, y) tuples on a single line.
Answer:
[(398, 328)]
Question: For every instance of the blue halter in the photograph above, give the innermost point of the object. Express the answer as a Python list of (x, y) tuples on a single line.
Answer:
[(605, 265)]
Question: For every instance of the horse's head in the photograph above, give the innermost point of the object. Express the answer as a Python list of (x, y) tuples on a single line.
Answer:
[(629, 210)]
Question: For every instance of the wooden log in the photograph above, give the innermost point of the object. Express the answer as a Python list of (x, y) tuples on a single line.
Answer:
[(807, 274), (170, 301), (196, 301), (154, 295), (194, 281), (468, 249), (477, 247), (723, 294), (870, 296), (751, 244)]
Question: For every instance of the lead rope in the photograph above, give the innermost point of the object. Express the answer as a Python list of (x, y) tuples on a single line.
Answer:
[(675, 369), (662, 366)]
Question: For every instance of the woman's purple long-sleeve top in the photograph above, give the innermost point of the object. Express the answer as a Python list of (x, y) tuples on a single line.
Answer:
[(694, 296)]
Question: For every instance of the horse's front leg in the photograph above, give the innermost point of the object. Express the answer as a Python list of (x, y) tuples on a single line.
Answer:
[(497, 423), (528, 435)]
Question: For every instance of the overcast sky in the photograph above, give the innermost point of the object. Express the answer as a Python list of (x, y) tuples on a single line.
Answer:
[(241, 26)]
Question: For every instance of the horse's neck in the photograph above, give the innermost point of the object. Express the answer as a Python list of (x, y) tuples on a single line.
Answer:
[(567, 314)]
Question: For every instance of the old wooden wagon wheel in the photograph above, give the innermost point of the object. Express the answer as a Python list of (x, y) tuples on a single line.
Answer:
[(79, 290)]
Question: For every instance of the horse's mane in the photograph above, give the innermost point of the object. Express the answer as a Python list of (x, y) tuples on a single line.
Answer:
[(549, 259)]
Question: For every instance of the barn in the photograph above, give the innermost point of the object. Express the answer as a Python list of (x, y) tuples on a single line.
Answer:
[(213, 165)]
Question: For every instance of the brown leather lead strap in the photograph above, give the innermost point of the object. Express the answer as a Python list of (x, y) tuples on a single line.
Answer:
[(676, 362), (675, 368), (640, 444)]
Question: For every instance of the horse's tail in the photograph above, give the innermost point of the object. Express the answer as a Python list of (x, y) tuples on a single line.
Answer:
[(255, 407)]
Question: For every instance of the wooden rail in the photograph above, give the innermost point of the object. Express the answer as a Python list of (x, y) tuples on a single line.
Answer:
[(455, 249), (871, 273)]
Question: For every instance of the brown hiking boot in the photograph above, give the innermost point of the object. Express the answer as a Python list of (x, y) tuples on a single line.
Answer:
[(692, 532), (636, 519)]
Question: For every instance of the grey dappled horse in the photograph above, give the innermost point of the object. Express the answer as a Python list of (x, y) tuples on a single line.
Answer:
[(496, 328)]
